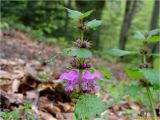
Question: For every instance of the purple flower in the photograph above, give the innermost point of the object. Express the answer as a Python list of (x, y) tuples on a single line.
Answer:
[(91, 77), (69, 88), (87, 80), (86, 87), (98, 75), (72, 79)]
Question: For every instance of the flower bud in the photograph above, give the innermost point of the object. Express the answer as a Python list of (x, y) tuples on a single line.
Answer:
[(145, 52), (84, 44), (145, 65), (144, 83)]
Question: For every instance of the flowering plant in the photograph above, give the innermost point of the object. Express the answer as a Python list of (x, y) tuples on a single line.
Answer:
[(147, 75), (79, 79)]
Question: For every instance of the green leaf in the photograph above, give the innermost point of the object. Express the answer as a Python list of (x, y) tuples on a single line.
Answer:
[(86, 14), (81, 53), (133, 90), (94, 24), (154, 32), (88, 106), (67, 50), (118, 53), (153, 39), (74, 95), (105, 72), (138, 35), (133, 73), (74, 14), (155, 54), (151, 75)]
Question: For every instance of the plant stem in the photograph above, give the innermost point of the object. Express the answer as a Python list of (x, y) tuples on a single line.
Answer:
[(86, 118), (150, 96), (144, 59), (80, 85), (81, 30), (151, 102), (81, 35), (81, 60)]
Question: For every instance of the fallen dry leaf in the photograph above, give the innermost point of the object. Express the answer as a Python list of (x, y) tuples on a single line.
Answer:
[(65, 106), (15, 85), (5, 75)]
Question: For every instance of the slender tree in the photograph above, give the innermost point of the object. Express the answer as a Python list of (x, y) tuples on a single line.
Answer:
[(130, 11), (68, 5), (153, 25)]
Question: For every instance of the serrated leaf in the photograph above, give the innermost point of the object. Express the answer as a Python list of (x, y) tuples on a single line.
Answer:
[(118, 53), (86, 14), (151, 75), (81, 53), (153, 39), (74, 14), (88, 106), (138, 35), (94, 24)]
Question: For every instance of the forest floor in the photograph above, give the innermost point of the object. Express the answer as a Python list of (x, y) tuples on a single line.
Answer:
[(25, 76)]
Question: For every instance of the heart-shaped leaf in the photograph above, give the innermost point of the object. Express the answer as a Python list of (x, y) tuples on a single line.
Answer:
[(86, 14), (151, 75), (153, 39), (78, 15), (74, 14), (81, 53), (133, 73), (138, 35), (94, 24), (154, 32), (118, 53)]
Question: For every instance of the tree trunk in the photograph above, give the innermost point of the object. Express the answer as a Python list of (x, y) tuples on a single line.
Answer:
[(90, 5), (153, 25), (155, 15), (67, 17), (130, 11)]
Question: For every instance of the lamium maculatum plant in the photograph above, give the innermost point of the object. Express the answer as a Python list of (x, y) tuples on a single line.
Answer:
[(146, 75), (80, 79)]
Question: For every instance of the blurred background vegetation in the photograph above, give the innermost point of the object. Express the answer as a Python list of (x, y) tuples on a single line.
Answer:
[(48, 20)]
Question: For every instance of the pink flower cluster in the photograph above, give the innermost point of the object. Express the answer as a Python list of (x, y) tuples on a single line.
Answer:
[(87, 81)]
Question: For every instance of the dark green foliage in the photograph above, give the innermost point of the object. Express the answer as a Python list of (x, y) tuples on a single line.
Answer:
[(45, 16)]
